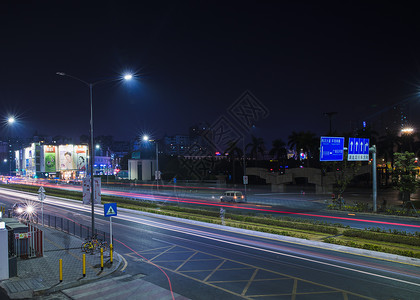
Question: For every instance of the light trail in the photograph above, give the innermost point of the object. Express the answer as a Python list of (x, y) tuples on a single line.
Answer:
[(175, 199)]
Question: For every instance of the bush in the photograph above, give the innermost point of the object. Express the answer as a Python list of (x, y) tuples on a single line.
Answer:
[(378, 248), (385, 237)]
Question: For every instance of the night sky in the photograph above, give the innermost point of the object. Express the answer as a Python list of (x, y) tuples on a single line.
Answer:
[(193, 60)]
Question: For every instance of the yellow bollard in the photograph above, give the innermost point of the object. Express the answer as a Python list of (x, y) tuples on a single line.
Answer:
[(84, 265), (102, 258), (61, 270), (111, 252)]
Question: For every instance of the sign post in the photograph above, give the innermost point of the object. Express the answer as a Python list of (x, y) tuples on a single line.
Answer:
[(374, 189), (110, 210), (41, 197)]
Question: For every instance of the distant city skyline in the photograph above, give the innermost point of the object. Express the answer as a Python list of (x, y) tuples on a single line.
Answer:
[(193, 61)]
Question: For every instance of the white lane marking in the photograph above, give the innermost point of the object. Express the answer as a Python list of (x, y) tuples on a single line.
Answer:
[(176, 229), (184, 231)]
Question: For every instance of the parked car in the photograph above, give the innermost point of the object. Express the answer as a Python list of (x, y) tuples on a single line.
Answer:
[(232, 196)]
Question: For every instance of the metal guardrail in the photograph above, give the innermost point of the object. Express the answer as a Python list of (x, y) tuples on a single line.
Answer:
[(70, 227)]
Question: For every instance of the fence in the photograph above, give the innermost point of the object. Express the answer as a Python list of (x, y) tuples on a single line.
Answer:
[(70, 227), (26, 244)]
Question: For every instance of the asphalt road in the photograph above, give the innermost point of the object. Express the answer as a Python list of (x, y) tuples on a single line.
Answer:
[(305, 206), (202, 262)]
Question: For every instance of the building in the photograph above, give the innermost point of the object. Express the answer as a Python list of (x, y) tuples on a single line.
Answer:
[(67, 162), (176, 144)]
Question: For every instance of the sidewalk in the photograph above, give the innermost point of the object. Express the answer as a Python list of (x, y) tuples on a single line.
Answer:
[(40, 276)]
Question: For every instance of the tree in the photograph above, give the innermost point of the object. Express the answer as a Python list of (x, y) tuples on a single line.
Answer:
[(304, 141), (257, 146), (279, 151), (404, 177), (234, 153)]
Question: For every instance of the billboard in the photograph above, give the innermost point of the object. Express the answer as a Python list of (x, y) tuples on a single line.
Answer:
[(80, 153), (18, 161), (49, 159), (86, 190), (66, 157)]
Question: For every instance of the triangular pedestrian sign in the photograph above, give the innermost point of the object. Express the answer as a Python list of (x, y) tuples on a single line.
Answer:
[(110, 211)]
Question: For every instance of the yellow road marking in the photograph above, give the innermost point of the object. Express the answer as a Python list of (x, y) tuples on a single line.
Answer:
[(162, 253), (333, 289), (180, 266), (345, 297), (214, 271), (294, 289), (249, 282), (289, 294), (125, 263), (246, 280)]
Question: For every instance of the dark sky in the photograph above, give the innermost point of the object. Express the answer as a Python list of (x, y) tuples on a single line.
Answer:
[(194, 59)]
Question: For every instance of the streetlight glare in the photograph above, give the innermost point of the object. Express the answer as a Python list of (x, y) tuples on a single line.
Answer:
[(128, 77), (407, 130), (11, 120), (145, 138)]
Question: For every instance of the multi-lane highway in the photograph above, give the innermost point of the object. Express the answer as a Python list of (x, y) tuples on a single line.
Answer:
[(309, 206), (200, 261)]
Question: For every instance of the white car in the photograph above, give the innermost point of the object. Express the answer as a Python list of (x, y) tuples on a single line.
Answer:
[(232, 196)]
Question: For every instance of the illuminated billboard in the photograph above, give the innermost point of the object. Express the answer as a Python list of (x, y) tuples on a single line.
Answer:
[(49, 161), (66, 157), (28, 160), (80, 153)]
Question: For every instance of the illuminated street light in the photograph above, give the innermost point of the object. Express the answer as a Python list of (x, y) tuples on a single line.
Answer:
[(90, 85), (157, 174), (10, 121), (407, 130)]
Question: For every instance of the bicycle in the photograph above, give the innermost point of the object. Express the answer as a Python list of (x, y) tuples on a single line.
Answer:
[(92, 244)]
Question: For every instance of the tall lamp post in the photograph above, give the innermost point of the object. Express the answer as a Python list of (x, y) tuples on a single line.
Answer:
[(10, 121), (157, 174), (90, 85)]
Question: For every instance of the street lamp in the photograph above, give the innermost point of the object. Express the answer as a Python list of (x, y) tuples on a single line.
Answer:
[(10, 121), (90, 85), (157, 173)]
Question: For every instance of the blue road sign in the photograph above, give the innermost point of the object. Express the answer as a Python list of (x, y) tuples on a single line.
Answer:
[(332, 148), (110, 209), (358, 149)]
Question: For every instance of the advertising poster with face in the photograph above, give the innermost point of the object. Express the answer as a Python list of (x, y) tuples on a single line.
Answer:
[(81, 153), (49, 159), (66, 157)]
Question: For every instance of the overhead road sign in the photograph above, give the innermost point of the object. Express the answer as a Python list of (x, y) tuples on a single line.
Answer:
[(110, 209), (332, 148), (358, 149)]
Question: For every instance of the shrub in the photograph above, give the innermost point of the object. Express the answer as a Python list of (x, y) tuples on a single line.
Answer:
[(380, 236)]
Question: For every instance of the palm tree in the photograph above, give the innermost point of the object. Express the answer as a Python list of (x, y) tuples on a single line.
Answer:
[(257, 146), (279, 150), (234, 152), (304, 141)]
